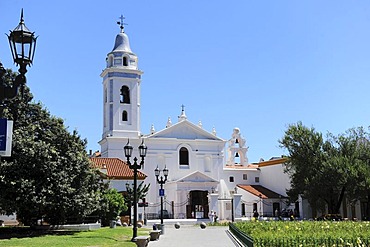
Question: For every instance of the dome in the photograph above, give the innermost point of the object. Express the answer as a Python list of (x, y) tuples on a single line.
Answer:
[(122, 43)]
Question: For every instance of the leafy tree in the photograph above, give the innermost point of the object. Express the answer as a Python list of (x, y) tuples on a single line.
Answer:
[(320, 170), (359, 186), (48, 175), (113, 204)]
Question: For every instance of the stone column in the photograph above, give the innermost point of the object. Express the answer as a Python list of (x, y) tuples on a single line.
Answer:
[(213, 199), (237, 206)]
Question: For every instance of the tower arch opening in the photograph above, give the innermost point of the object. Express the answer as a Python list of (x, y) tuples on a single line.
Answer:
[(124, 116), (125, 95)]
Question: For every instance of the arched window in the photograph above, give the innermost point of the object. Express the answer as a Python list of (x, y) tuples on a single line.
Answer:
[(125, 95), (110, 61), (125, 63), (207, 164), (184, 156), (124, 116)]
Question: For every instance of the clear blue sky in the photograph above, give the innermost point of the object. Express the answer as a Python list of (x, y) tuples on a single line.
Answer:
[(256, 65)]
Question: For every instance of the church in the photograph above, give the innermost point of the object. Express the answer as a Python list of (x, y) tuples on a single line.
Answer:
[(205, 172)]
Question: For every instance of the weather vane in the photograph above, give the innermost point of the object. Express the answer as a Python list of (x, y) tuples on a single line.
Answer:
[(121, 22)]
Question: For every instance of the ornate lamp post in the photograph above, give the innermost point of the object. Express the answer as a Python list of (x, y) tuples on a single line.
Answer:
[(161, 181), (135, 166), (22, 45)]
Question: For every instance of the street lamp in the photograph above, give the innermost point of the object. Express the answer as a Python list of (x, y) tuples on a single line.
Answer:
[(22, 45), (161, 181), (135, 166)]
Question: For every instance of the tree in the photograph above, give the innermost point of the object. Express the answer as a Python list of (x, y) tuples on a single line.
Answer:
[(358, 186), (142, 191), (320, 170), (48, 176), (113, 204)]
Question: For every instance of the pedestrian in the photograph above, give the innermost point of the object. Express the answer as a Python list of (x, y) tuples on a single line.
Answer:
[(215, 217), (255, 214), (210, 216)]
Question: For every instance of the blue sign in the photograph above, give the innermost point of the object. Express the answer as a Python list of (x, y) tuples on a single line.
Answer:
[(161, 192), (3, 132)]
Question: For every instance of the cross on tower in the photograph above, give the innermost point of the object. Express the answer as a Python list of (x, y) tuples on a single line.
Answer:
[(182, 107), (121, 22)]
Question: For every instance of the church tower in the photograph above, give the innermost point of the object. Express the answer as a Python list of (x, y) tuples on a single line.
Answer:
[(237, 149), (121, 94)]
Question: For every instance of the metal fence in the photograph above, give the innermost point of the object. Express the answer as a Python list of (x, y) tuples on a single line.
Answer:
[(241, 236)]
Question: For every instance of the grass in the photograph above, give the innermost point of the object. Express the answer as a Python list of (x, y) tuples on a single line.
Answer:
[(120, 236)]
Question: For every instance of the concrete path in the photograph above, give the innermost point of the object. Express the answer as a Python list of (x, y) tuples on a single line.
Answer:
[(190, 235)]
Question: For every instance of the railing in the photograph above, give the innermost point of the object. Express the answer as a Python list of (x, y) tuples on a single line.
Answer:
[(153, 216), (241, 236)]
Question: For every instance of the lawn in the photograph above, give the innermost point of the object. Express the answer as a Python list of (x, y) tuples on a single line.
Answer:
[(120, 236)]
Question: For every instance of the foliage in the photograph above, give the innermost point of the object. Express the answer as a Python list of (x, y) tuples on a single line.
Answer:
[(325, 171), (120, 236), (142, 191), (113, 204), (307, 233), (48, 176)]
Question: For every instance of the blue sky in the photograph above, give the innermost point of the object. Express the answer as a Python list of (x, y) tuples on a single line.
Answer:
[(256, 65)]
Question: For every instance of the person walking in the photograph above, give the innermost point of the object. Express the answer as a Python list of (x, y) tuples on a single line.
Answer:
[(211, 216)]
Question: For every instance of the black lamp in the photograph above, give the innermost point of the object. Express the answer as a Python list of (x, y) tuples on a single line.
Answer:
[(22, 45), (135, 166)]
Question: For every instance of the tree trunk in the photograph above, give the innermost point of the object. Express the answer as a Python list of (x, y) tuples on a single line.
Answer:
[(368, 206), (340, 199)]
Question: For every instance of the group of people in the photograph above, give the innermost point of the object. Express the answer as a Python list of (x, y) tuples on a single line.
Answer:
[(212, 216)]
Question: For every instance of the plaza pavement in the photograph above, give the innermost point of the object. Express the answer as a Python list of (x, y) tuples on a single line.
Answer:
[(192, 235)]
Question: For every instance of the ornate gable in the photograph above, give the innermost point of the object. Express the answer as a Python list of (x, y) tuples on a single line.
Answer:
[(185, 130), (195, 177)]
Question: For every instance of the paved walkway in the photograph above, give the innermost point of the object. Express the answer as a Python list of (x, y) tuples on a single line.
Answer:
[(190, 235)]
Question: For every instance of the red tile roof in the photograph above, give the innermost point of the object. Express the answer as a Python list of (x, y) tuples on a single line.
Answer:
[(258, 190), (272, 162), (237, 166), (116, 168)]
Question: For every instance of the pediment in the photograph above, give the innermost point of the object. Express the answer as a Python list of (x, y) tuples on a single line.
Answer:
[(196, 177), (185, 130)]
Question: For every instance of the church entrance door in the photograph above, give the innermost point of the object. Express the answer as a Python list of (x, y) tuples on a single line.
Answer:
[(198, 205)]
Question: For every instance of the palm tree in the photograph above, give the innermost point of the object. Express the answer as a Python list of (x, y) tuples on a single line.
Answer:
[(142, 191)]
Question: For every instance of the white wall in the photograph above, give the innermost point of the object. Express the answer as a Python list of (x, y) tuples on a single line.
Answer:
[(274, 178)]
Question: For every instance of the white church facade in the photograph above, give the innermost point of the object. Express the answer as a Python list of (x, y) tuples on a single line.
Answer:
[(206, 172)]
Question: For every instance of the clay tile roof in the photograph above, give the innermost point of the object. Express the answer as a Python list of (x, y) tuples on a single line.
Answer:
[(249, 166), (116, 168), (273, 161), (258, 190)]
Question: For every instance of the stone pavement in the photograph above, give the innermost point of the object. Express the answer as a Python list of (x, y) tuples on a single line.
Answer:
[(191, 235)]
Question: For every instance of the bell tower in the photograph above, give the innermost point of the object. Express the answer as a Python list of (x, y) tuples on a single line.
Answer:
[(237, 149), (121, 92)]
